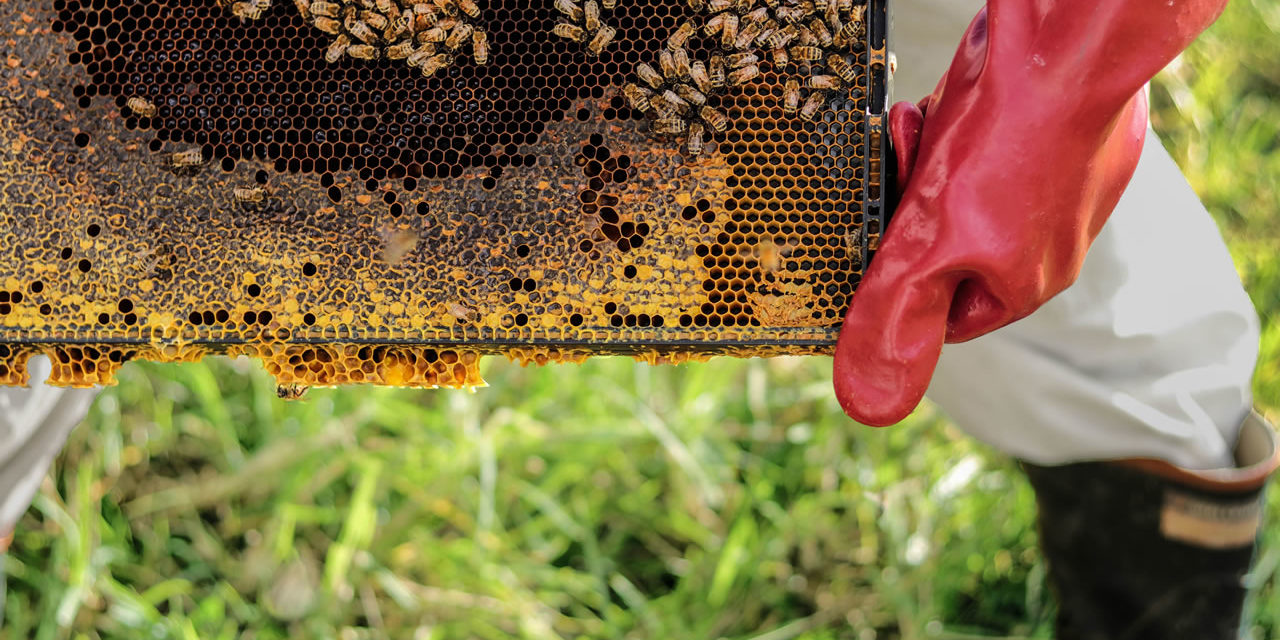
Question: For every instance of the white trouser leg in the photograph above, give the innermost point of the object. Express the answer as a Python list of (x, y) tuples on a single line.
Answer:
[(1149, 354), (34, 423)]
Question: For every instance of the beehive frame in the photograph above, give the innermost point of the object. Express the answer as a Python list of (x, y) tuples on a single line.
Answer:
[(364, 221)]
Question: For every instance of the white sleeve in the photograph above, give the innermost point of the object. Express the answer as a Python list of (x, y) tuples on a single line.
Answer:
[(34, 423)]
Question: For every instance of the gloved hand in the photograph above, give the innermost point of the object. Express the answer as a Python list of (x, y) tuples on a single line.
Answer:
[(1007, 173)]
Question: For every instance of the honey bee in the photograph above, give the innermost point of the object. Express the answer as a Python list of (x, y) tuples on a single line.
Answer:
[(424, 16), (337, 48), (698, 73), (743, 59), (462, 312), (833, 18), (812, 105), (742, 6), (717, 71), (385, 6), (435, 63), (770, 255), (714, 119), (716, 6), (637, 96), (396, 244), (743, 75), (823, 82), (766, 32), (790, 96), (570, 9), (729, 30), (674, 99), (609, 4), (690, 95), (250, 195), (680, 60), (694, 141), (591, 16), (436, 34), (757, 15), (805, 37), (819, 30), (304, 8), (328, 25), (714, 24), (808, 54), (447, 7), (141, 107), (670, 126), (469, 7), (660, 104), (846, 6), (480, 46), (842, 68), (649, 75), (150, 258), (747, 35), (325, 9), (375, 21), (681, 36), (569, 31), (421, 55), (790, 15), (459, 36), (400, 50), (291, 391), (188, 160), (246, 10), (363, 52), (402, 25), (667, 63), (781, 37), (361, 31), (849, 34), (697, 5), (780, 57)]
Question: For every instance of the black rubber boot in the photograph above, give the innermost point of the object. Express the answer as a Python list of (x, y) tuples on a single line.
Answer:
[(1141, 549)]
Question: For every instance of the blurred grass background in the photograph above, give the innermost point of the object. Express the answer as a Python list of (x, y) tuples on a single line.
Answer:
[(609, 500)]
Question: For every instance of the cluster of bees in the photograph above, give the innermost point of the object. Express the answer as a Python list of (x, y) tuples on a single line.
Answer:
[(816, 34), (427, 34), (584, 24)]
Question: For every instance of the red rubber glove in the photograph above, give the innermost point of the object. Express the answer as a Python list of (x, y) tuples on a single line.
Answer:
[(1028, 142)]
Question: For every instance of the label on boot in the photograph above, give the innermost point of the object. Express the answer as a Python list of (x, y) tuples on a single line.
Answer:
[(1208, 523)]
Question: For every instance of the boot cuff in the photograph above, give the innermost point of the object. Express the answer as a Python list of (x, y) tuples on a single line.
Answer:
[(1257, 455)]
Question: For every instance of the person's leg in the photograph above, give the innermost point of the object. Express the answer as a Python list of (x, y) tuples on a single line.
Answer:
[(34, 423), (1127, 395)]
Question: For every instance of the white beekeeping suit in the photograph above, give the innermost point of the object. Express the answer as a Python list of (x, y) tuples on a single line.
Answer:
[(34, 422)]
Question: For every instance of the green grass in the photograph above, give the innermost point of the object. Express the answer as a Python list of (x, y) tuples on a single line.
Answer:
[(608, 500)]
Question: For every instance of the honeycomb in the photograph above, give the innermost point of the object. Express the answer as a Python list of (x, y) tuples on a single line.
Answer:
[(192, 177)]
